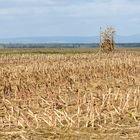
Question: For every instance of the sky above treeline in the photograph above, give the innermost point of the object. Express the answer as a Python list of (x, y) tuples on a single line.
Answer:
[(27, 18)]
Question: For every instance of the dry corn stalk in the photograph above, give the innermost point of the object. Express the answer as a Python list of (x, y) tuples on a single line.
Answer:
[(58, 91), (107, 43)]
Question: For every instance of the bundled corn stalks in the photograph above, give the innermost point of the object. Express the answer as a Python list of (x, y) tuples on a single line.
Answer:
[(107, 43)]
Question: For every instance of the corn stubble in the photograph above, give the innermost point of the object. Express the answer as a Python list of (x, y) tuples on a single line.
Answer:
[(69, 91)]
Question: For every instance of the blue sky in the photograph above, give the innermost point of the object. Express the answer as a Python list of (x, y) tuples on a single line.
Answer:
[(27, 18)]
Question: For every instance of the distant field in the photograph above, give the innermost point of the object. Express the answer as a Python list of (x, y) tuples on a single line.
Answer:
[(69, 94), (47, 50), (12, 51), (65, 45)]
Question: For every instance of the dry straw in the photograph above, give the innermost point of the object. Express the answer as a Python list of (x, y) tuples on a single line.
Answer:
[(58, 91), (107, 43)]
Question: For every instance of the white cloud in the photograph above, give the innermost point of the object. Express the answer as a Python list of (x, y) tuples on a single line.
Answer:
[(35, 2), (102, 9), (58, 8), (22, 11), (69, 16)]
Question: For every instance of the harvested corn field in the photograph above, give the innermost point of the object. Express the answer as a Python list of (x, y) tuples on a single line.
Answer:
[(65, 96)]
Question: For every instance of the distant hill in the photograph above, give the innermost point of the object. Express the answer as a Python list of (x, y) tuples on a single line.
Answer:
[(69, 39), (52, 39), (128, 39)]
